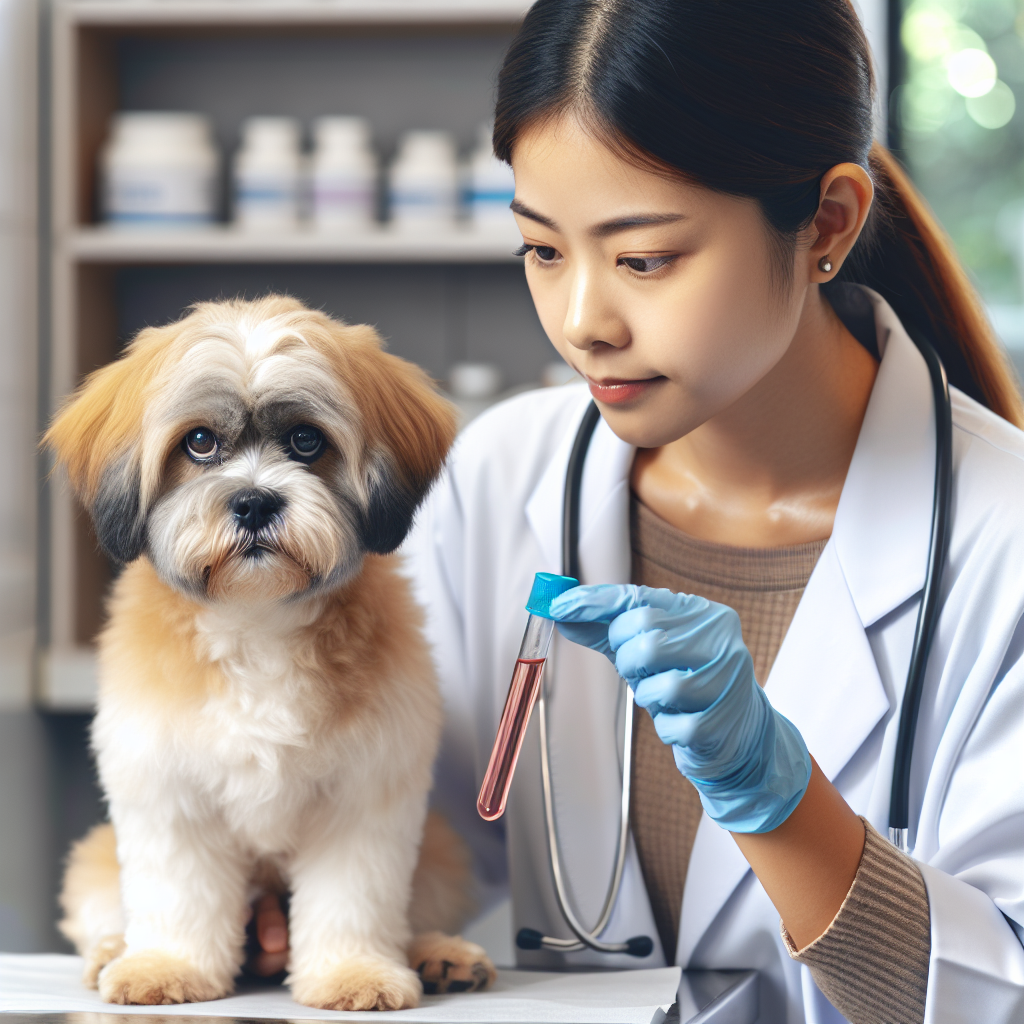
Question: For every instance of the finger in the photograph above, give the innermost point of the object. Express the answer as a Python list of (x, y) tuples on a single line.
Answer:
[(271, 924), (587, 634), (688, 609), (679, 691), (605, 601)]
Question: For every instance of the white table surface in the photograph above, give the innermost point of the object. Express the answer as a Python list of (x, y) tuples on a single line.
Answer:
[(51, 983)]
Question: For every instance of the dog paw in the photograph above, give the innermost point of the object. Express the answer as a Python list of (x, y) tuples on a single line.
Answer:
[(108, 948), (359, 983), (448, 963), (156, 979)]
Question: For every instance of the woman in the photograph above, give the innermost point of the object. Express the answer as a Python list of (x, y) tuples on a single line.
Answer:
[(699, 194)]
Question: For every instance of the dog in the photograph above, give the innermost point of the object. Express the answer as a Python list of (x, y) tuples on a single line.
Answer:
[(268, 711)]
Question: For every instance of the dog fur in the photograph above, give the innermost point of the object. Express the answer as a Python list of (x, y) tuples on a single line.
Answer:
[(268, 712)]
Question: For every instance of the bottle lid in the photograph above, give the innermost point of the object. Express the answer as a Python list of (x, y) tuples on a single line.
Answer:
[(546, 587)]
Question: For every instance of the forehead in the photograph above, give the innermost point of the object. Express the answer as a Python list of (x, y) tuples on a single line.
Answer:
[(227, 374)]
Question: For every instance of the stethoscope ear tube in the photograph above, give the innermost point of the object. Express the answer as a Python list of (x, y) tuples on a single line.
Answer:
[(928, 612)]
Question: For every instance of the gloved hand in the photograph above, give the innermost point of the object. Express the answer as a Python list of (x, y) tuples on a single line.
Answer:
[(685, 659)]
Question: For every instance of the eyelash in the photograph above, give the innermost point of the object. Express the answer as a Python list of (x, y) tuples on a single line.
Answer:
[(627, 261)]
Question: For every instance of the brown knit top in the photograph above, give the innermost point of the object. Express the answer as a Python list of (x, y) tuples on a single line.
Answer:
[(869, 973)]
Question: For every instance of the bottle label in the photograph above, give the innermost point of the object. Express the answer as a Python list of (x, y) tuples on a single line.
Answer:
[(168, 195)]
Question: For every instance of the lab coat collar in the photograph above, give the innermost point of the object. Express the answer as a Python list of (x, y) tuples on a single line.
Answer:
[(883, 521), (604, 504)]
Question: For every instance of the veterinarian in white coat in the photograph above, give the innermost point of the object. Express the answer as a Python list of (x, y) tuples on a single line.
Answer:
[(839, 676), (648, 177)]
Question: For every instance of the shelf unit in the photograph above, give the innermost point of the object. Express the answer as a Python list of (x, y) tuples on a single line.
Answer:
[(91, 51)]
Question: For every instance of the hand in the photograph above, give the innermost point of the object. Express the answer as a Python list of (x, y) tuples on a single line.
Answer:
[(268, 954), (685, 660)]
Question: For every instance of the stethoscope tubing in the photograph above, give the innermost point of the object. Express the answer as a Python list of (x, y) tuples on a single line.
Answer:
[(930, 607), (927, 621)]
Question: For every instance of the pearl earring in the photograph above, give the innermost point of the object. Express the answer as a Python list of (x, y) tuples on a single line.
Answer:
[(824, 264)]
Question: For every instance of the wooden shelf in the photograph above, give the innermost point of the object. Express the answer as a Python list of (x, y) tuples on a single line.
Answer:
[(297, 12), (231, 245)]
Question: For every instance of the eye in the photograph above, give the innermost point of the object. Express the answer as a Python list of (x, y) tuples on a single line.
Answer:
[(305, 443), (542, 253), (201, 444), (645, 264)]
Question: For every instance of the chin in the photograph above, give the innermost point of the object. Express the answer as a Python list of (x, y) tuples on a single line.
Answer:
[(268, 711)]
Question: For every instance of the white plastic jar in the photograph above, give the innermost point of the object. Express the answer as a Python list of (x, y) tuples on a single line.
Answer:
[(490, 187), (343, 174), (159, 170), (267, 174), (424, 182)]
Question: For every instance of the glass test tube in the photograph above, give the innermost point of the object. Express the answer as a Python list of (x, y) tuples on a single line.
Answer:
[(522, 694)]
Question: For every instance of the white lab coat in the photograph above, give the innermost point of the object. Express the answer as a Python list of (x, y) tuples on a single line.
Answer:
[(495, 519)]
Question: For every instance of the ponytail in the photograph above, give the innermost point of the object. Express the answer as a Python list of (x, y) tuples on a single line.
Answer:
[(756, 98), (909, 260)]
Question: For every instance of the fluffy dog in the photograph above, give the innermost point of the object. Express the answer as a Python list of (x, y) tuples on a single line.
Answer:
[(268, 707)]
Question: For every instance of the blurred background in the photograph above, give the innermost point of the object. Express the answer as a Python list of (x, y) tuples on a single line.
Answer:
[(154, 153)]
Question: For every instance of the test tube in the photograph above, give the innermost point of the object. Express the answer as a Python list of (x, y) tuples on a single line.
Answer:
[(522, 693)]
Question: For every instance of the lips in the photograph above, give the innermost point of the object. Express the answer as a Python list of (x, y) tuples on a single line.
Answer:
[(616, 392)]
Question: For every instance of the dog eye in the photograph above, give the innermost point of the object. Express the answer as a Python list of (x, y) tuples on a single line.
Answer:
[(305, 443), (201, 444)]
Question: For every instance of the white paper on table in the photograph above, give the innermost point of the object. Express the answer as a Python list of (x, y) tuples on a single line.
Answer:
[(51, 983)]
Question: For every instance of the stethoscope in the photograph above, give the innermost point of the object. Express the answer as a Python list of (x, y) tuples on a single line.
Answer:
[(927, 620)]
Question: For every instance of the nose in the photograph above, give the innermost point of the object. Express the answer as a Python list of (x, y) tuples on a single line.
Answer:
[(590, 317), (254, 509)]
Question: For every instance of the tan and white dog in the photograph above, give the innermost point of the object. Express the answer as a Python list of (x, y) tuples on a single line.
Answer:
[(268, 708)]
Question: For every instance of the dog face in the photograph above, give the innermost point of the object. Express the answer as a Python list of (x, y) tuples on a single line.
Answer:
[(254, 450)]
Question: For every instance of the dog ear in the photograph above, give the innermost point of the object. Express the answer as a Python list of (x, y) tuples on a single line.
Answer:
[(409, 428), (96, 437)]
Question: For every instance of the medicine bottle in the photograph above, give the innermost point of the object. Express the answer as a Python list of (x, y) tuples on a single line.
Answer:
[(424, 182), (490, 187), (158, 170), (343, 174), (267, 174)]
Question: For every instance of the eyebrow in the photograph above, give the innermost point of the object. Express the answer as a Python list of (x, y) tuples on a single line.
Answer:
[(609, 227)]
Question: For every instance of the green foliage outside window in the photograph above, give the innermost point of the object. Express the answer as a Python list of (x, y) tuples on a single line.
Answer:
[(960, 118)]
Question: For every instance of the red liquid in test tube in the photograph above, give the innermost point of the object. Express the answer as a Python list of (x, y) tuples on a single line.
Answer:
[(522, 695)]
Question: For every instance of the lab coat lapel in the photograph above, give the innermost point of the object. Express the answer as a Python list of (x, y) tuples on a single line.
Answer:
[(604, 506), (825, 679)]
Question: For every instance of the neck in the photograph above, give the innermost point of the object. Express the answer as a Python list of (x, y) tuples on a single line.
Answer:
[(768, 470)]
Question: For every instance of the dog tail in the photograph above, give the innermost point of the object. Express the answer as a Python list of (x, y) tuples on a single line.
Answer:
[(91, 901)]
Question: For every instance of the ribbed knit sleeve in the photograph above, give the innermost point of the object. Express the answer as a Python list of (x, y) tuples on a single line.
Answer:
[(872, 960)]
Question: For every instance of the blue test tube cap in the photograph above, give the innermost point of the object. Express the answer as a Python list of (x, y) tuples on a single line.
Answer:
[(546, 587)]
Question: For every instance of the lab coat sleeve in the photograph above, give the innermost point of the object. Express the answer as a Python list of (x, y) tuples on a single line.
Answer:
[(433, 555), (975, 879)]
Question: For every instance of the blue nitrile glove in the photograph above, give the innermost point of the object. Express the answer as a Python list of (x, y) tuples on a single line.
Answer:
[(685, 659)]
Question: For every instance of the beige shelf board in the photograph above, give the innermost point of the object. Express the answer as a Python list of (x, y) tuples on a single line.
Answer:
[(294, 12), (230, 245)]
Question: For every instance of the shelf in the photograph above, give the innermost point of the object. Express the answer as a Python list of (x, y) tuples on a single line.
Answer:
[(297, 12), (230, 245)]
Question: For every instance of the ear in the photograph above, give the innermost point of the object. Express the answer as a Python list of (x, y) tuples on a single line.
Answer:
[(96, 438), (408, 429)]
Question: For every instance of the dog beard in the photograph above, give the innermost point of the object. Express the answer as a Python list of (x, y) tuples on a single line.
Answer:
[(311, 543)]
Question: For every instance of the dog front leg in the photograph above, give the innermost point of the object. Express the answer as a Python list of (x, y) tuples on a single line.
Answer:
[(349, 910), (183, 891)]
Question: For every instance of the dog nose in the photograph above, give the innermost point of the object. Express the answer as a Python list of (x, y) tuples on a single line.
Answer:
[(254, 509)]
